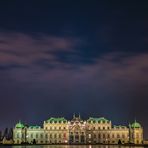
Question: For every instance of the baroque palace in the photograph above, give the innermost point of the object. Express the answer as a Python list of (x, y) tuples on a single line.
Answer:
[(78, 131)]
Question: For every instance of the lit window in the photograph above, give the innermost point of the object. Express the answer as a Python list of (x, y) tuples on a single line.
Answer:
[(41, 136), (123, 136), (137, 135), (99, 136), (64, 135), (118, 136), (108, 136)]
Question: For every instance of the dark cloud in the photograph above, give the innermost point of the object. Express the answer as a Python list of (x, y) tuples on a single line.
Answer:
[(60, 58), (111, 86)]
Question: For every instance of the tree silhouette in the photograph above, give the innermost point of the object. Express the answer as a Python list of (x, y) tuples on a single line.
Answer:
[(10, 134), (119, 142), (34, 141), (5, 135), (0, 135)]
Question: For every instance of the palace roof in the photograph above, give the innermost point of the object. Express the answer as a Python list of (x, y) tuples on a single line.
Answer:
[(98, 120), (34, 127), (136, 125), (56, 120), (19, 125)]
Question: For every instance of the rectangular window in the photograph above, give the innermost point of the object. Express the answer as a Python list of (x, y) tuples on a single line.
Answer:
[(113, 136), (41, 135)]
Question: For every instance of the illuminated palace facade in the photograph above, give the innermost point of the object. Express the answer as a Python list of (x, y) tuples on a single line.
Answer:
[(78, 131)]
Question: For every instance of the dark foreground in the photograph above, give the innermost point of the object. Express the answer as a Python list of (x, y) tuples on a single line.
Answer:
[(73, 146)]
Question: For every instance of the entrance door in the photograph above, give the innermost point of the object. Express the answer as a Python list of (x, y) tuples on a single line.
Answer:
[(76, 138)]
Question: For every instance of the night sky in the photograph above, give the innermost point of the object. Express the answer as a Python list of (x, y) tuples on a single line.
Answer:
[(63, 57)]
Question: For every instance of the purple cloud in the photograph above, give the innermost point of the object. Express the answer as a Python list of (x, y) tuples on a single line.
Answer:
[(22, 48)]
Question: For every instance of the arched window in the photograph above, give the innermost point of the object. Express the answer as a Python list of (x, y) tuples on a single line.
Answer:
[(137, 135), (36, 135), (41, 135), (64, 135), (118, 136), (123, 136), (99, 136)]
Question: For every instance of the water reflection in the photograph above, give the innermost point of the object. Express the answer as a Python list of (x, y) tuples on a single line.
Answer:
[(74, 146)]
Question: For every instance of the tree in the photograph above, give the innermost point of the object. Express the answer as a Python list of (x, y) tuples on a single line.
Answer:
[(10, 134), (0, 135), (5, 135), (119, 142), (34, 141)]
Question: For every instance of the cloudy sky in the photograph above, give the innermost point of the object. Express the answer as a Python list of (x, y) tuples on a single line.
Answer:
[(64, 57)]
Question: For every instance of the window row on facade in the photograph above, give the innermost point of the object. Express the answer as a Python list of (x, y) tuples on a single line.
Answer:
[(37, 135), (56, 128)]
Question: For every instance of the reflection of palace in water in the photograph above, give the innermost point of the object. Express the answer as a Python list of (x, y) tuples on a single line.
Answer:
[(78, 131)]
